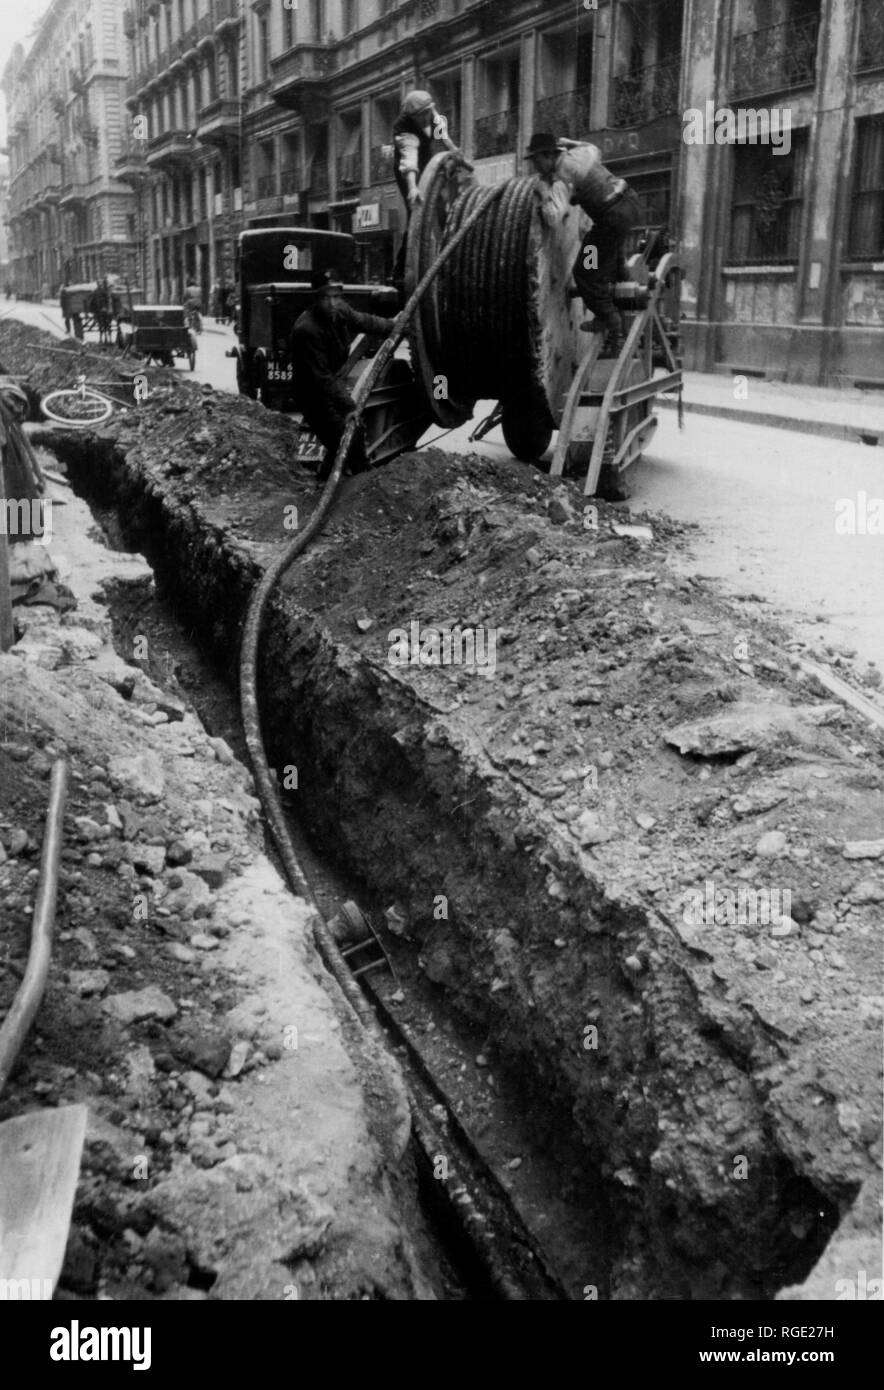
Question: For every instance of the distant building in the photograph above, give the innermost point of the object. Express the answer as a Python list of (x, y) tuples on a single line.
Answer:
[(183, 157), (5, 273), (784, 252), (249, 112), (68, 212)]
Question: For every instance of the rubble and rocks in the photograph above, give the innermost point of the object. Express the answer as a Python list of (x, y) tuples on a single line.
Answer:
[(721, 1038), (135, 1020)]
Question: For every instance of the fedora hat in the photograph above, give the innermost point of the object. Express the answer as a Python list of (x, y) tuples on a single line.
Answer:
[(542, 143), (325, 280)]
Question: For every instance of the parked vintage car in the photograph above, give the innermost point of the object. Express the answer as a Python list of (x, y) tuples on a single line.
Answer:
[(160, 333)]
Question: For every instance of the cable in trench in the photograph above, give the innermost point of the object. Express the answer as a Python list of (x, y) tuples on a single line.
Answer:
[(424, 1126)]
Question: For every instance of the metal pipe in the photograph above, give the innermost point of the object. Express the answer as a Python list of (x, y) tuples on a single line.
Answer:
[(27, 1000)]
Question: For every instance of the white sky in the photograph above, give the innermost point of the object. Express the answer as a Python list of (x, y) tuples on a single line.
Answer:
[(17, 21)]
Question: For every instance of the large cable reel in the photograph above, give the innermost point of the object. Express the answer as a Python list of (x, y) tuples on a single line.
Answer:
[(499, 322)]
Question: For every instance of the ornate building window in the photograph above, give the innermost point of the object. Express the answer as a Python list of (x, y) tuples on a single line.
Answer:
[(767, 200), (866, 238)]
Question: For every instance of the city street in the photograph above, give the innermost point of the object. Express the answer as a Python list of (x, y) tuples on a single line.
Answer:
[(764, 501)]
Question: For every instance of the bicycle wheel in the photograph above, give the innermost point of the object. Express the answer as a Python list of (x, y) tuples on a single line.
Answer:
[(78, 408)]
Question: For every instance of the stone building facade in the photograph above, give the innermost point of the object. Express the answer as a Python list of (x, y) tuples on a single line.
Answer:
[(68, 215), (253, 112), (784, 252)]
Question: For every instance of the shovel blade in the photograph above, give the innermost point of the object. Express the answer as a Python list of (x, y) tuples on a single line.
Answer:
[(39, 1166)]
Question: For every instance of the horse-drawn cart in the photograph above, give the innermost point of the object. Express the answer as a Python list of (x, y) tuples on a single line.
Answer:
[(95, 308)]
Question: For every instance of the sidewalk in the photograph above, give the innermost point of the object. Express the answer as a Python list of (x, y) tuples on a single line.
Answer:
[(848, 414)]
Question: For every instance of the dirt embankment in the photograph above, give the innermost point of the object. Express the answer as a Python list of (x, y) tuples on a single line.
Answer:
[(554, 830), (240, 1141)]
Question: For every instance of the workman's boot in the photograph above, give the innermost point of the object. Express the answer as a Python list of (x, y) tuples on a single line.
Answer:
[(613, 325)]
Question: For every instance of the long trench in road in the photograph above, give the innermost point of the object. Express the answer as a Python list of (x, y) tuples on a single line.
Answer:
[(487, 1049), (491, 1126)]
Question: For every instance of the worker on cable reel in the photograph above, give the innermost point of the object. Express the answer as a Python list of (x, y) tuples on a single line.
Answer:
[(615, 212), (417, 127), (320, 346)]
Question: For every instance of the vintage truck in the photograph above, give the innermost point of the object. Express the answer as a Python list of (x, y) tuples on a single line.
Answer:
[(275, 268)]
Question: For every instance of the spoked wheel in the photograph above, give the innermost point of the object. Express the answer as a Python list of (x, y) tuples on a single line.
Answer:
[(78, 408), (246, 386)]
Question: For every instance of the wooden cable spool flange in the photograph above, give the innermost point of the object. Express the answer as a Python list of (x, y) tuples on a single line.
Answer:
[(499, 322)]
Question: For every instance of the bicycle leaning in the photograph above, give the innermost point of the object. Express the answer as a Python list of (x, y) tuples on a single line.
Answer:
[(79, 406)]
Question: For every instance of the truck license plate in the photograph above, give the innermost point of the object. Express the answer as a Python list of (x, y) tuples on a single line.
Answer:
[(279, 373)]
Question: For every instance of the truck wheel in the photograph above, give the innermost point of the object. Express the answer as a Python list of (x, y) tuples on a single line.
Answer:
[(527, 430), (245, 386)]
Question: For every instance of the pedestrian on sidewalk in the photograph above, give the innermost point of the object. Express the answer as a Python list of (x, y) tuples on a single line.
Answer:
[(193, 307), (64, 303)]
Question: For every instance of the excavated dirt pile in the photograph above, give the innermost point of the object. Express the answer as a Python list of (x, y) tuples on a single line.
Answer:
[(638, 846)]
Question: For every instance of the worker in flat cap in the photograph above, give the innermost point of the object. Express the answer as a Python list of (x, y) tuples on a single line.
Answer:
[(415, 130), (542, 155), (320, 346)]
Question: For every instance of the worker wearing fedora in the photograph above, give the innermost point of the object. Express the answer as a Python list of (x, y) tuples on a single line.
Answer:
[(615, 211), (319, 347)]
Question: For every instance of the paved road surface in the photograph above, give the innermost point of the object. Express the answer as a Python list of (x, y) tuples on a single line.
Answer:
[(765, 500)]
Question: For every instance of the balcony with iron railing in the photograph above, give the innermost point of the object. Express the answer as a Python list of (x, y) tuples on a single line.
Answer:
[(567, 113), (172, 149), (48, 194), (870, 53), (496, 134), (130, 165), (301, 72), (225, 13), (350, 170), (777, 58), (265, 186), (219, 122), (381, 163), (290, 182), (73, 194), (317, 184), (647, 94)]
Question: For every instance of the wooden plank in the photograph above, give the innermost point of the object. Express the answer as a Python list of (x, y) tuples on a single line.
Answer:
[(39, 1167), (845, 692)]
